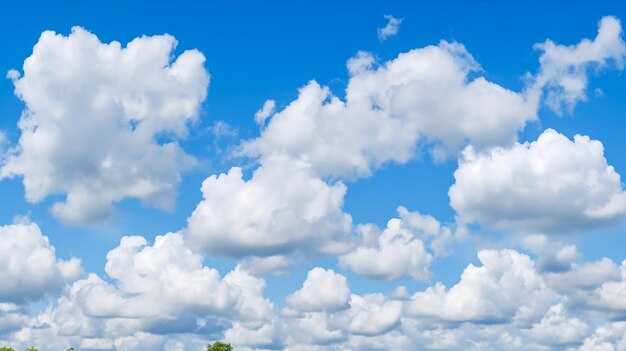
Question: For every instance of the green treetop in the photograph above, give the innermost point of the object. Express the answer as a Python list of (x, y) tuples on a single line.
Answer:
[(218, 346)]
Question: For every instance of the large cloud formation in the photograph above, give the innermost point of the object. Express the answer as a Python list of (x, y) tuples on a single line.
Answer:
[(551, 184), (101, 121), (281, 208), (424, 94), (502, 303)]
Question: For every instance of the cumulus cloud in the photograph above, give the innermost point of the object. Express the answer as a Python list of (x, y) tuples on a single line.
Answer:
[(263, 337), (396, 254), (503, 304), (607, 337), (610, 295), (281, 208), (556, 328), (552, 255), (314, 328), (153, 293), (401, 249), (552, 184), (101, 121), (506, 286), (323, 290), (423, 95), (167, 280), (373, 314), (30, 267), (390, 29), (563, 69)]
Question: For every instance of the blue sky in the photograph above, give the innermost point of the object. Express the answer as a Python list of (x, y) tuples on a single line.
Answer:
[(466, 114)]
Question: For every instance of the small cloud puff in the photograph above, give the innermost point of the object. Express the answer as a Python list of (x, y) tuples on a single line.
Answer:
[(391, 29)]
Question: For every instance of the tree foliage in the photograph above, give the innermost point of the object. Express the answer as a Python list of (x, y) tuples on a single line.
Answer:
[(4, 348), (219, 346)]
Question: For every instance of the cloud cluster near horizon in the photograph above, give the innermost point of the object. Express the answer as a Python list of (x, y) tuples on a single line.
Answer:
[(105, 123)]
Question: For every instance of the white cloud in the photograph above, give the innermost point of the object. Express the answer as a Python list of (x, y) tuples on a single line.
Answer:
[(397, 253), (400, 250), (101, 121), (155, 293), (506, 286), (282, 208), (168, 280), (583, 277), (551, 184), (30, 268), (423, 95), (314, 328), (430, 230), (556, 328), (264, 337), (373, 314), (323, 290), (611, 295), (608, 337), (552, 256), (390, 29), (273, 265), (265, 112), (563, 69)]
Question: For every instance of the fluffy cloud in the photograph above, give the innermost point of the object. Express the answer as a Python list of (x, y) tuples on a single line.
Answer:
[(506, 286), (563, 69), (555, 328), (30, 268), (502, 305), (154, 293), (315, 328), (323, 290), (264, 337), (281, 208), (396, 254), (552, 256), (390, 29), (422, 95), (611, 295), (551, 184), (400, 250), (167, 280), (608, 337), (102, 120), (373, 314), (274, 265)]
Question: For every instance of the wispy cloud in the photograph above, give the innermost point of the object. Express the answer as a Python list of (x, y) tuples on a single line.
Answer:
[(391, 29)]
